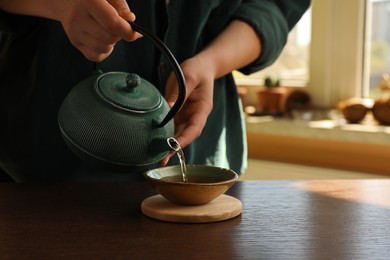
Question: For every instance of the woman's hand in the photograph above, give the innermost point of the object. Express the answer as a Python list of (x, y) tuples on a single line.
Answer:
[(92, 26), (191, 119), (95, 26), (226, 53)]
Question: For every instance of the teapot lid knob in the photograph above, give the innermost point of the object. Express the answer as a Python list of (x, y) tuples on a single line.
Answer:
[(128, 91), (133, 80)]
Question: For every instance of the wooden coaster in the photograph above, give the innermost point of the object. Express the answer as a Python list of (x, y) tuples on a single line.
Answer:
[(222, 208)]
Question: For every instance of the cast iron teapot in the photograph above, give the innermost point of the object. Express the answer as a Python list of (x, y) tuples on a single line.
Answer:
[(119, 121)]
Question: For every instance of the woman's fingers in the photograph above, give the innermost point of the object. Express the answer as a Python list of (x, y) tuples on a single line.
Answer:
[(95, 26)]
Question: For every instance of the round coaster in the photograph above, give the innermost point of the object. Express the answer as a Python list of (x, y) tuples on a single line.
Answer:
[(222, 208)]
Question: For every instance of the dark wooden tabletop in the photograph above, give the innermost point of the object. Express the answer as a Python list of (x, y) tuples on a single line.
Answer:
[(338, 219)]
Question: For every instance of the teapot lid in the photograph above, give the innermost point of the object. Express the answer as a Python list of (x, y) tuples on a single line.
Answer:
[(128, 91)]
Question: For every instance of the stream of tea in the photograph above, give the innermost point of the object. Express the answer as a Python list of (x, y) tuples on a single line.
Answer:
[(180, 154)]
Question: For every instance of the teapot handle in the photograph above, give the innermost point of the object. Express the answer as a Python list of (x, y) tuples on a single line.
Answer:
[(176, 68)]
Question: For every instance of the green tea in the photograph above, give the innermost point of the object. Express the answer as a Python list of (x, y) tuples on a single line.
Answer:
[(174, 144), (192, 178)]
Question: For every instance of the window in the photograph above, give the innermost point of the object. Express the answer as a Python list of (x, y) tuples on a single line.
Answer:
[(345, 54), (378, 43), (336, 53), (350, 49), (292, 65)]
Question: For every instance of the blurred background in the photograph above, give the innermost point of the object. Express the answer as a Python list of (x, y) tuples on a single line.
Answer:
[(331, 92)]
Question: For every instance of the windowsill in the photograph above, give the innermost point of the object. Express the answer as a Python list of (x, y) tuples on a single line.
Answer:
[(324, 143), (321, 129)]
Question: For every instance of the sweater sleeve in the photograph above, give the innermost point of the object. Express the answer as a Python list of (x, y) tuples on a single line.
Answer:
[(12, 23), (272, 20)]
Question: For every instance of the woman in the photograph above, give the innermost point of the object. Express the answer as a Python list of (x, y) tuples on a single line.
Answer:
[(47, 47)]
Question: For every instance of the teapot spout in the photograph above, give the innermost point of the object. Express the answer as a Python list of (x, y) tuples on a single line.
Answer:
[(174, 144)]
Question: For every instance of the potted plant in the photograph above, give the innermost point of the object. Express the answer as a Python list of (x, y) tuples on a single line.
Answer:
[(270, 96)]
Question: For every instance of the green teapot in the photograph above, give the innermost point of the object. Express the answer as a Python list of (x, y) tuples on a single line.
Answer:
[(119, 121)]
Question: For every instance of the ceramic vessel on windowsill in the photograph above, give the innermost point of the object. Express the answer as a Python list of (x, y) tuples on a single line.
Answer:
[(270, 96), (381, 110)]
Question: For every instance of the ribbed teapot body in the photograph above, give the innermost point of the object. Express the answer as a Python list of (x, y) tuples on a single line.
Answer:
[(111, 136)]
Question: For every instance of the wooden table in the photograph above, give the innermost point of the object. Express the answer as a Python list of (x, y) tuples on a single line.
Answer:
[(340, 219)]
